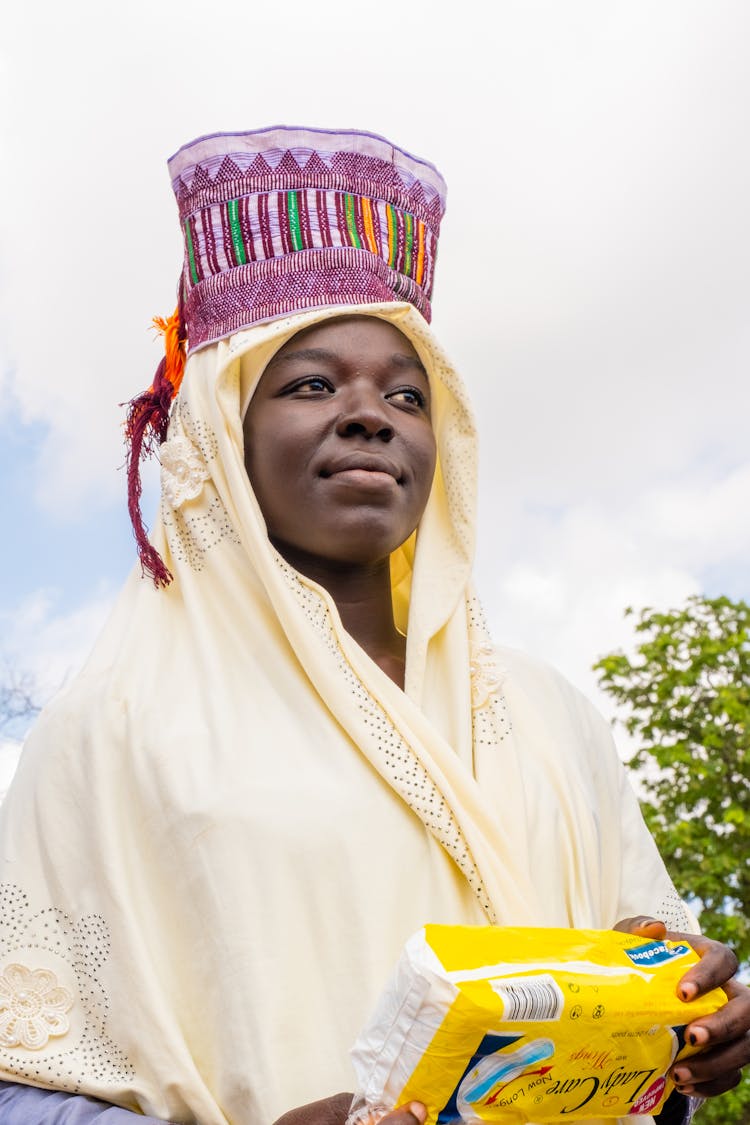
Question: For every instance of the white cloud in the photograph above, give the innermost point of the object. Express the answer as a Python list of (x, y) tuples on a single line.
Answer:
[(593, 266), (47, 645), (44, 645), (704, 520), (563, 593), (560, 585), (592, 282), (51, 642)]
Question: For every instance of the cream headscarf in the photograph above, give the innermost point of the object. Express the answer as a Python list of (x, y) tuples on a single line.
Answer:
[(220, 837)]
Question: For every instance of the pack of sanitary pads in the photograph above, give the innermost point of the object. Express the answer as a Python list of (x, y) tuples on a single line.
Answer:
[(496, 1024)]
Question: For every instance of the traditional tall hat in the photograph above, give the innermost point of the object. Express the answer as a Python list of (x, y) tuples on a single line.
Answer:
[(286, 219), (276, 221)]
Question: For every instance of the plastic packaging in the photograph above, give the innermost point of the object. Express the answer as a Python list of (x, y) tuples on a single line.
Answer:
[(497, 1024)]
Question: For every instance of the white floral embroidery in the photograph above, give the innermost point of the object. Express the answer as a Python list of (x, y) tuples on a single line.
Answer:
[(485, 680), (72, 951), (32, 1007), (183, 471)]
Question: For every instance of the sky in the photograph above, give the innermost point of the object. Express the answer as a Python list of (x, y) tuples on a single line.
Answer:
[(593, 281)]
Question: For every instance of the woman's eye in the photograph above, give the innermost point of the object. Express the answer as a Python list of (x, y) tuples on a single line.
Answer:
[(409, 396), (312, 384)]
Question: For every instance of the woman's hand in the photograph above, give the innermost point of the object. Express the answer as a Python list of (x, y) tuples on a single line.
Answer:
[(335, 1110), (724, 1037)]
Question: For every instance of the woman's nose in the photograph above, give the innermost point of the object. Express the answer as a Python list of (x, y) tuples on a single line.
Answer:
[(364, 413)]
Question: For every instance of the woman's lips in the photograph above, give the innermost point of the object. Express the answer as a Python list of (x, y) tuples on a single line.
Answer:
[(363, 468), (364, 478)]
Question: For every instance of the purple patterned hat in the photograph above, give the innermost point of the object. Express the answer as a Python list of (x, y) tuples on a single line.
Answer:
[(284, 219)]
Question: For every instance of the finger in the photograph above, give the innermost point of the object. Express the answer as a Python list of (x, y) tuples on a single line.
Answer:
[(642, 925), (715, 1065), (714, 1088), (716, 967), (730, 1022), (715, 1071)]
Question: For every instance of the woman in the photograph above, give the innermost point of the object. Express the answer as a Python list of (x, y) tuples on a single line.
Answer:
[(302, 746)]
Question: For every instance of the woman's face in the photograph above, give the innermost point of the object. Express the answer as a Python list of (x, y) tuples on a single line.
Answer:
[(339, 445)]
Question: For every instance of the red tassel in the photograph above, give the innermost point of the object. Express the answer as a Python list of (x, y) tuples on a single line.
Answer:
[(146, 428)]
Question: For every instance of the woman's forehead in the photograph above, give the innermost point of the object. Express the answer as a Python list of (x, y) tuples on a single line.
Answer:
[(358, 331), (348, 342)]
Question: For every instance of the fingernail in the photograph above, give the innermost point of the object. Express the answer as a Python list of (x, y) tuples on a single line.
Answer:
[(682, 1075), (416, 1109), (688, 991), (698, 1036)]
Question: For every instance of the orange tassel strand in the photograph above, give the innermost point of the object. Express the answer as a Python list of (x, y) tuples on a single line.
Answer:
[(146, 427), (174, 347)]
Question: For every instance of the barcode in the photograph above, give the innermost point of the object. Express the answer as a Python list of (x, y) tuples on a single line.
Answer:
[(529, 998)]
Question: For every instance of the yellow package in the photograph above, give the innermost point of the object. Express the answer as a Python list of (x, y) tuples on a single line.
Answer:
[(488, 1023)]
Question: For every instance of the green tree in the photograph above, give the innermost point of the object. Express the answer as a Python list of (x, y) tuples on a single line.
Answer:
[(685, 700)]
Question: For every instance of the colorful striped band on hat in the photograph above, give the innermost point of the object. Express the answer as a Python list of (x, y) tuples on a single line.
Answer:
[(286, 219)]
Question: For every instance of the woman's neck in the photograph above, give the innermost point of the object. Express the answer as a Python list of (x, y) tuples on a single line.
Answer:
[(362, 594)]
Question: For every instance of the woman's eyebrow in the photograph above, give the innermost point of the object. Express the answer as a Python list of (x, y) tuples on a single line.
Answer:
[(411, 361), (307, 355), (323, 355)]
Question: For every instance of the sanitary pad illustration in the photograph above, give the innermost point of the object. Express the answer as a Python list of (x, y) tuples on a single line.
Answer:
[(493, 1073)]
